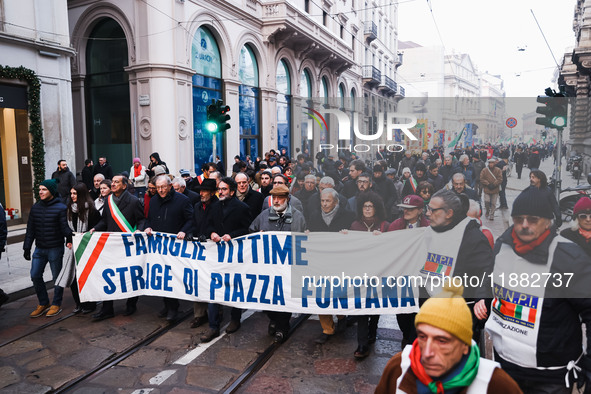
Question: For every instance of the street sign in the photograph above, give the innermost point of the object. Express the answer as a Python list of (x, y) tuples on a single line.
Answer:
[(511, 122)]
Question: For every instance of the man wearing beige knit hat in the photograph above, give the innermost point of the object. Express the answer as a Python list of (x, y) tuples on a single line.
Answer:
[(443, 358)]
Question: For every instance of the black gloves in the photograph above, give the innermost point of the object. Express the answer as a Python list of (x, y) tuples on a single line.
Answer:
[(27, 254)]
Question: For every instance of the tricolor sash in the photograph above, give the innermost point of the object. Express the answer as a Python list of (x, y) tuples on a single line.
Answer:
[(118, 217)]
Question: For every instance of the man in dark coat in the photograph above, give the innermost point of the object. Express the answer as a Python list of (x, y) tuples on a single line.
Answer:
[(356, 168), (244, 193), (103, 167), (333, 217), (228, 219), (132, 211), (48, 227), (66, 179), (435, 178), (180, 186), (519, 159), (201, 213), (170, 212), (87, 173)]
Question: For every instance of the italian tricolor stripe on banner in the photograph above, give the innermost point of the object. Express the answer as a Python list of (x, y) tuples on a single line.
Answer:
[(94, 250), (519, 312)]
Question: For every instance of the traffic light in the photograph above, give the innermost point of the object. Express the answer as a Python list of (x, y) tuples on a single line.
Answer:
[(223, 117), (217, 117), (544, 134), (212, 125), (555, 110)]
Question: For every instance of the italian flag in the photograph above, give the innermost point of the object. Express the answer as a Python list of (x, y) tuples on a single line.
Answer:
[(89, 249), (519, 312)]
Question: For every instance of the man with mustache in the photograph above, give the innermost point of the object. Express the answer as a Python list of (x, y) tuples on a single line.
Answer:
[(536, 328), (444, 358)]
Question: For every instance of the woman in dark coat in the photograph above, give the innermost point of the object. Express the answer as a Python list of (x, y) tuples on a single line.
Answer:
[(81, 216), (370, 217)]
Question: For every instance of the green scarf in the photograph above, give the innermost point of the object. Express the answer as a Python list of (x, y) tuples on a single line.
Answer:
[(462, 379)]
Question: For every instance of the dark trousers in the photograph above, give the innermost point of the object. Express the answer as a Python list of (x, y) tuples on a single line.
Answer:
[(108, 305), (281, 320), (519, 169), (76, 297), (503, 196), (406, 322), (214, 315), (171, 304), (367, 326), (533, 387)]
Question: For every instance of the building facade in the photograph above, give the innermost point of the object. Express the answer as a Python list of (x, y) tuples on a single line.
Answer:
[(36, 120), (272, 62)]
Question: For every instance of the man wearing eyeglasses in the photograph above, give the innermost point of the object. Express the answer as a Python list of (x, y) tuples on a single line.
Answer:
[(456, 247), (535, 325), (228, 219)]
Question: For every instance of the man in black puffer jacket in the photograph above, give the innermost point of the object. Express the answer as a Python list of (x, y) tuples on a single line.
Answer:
[(47, 226)]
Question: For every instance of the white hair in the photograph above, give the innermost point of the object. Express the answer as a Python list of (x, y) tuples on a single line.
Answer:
[(179, 181), (327, 180)]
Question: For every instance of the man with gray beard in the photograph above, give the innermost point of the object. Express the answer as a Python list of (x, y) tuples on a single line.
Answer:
[(281, 216)]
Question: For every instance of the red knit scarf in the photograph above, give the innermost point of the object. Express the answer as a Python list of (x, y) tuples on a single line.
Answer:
[(137, 171), (522, 247), (585, 234)]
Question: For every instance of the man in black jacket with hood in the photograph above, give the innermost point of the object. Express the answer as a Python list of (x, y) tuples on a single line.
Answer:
[(170, 212)]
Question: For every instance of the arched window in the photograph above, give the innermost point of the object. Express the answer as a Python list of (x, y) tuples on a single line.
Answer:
[(249, 104), (283, 84), (107, 107), (306, 94), (324, 134), (207, 86)]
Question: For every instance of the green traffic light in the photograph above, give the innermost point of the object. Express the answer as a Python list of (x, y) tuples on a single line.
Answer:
[(211, 126), (559, 121)]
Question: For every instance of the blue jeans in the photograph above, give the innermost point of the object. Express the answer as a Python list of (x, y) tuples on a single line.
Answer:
[(40, 259)]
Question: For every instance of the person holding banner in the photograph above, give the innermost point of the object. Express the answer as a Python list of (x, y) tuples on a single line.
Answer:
[(371, 216), (47, 226), (122, 213), (201, 212), (81, 216), (170, 212), (230, 218), (444, 358), (457, 247), (333, 217), (279, 217)]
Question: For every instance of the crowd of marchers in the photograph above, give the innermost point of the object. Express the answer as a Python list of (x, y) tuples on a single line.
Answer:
[(440, 191)]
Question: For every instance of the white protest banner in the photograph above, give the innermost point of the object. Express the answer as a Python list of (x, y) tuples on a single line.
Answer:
[(353, 274)]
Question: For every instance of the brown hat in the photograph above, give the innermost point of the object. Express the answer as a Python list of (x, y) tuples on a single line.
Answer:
[(279, 190)]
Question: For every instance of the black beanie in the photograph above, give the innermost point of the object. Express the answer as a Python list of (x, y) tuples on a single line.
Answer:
[(51, 185), (533, 202)]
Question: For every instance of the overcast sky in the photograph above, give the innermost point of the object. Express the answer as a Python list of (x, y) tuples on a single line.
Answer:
[(491, 33)]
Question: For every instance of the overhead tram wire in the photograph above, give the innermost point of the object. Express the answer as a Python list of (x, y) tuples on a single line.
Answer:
[(544, 36)]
